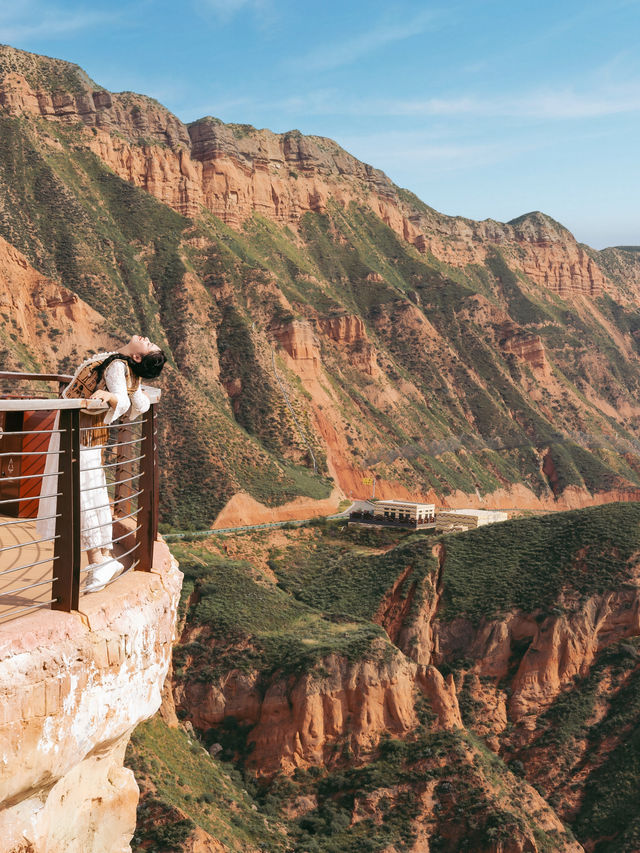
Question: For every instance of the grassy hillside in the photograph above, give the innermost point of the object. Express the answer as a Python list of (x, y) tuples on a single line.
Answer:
[(527, 563), (183, 788)]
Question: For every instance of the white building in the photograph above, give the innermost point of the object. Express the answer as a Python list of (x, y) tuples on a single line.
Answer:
[(406, 511), (450, 520)]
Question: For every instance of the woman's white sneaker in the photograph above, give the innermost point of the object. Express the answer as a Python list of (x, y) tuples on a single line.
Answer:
[(102, 574)]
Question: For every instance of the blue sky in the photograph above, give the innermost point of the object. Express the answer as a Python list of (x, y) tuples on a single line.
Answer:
[(483, 108)]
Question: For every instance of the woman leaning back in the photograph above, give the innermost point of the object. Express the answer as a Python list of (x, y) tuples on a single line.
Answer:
[(115, 378)]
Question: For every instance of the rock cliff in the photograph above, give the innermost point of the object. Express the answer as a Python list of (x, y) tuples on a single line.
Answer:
[(444, 724), (235, 171), (308, 720), (74, 686), (311, 310)]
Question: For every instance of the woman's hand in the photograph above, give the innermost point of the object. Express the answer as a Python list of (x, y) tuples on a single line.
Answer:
[(106, 397)]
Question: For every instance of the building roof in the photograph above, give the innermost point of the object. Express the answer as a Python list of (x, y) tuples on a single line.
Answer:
[(402, 503), (478, 513)]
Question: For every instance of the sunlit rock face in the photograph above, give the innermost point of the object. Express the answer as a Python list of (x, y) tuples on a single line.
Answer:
[(236, 170), (72, 689)]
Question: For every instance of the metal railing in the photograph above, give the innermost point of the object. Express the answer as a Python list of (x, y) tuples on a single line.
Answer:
[(55, 493)]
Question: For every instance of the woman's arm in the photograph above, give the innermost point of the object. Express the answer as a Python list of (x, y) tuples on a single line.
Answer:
[(116, 381), (139, 403)]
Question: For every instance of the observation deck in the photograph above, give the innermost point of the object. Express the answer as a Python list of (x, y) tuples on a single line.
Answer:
[(42, 563)]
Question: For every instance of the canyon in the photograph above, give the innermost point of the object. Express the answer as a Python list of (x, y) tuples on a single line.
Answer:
[(325, 329), (410, 713)]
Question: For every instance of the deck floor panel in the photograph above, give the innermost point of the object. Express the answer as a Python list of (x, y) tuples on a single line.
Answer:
[(29, 564)]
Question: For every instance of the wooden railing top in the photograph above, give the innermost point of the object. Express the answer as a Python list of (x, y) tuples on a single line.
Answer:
[(35, 377), (53, 403), (37, 404)]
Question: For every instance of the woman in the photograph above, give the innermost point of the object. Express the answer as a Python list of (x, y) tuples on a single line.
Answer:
[(114, 378)]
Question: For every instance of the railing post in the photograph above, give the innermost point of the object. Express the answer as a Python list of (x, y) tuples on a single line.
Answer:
[(156, 478), (66, 565), (148, 500)]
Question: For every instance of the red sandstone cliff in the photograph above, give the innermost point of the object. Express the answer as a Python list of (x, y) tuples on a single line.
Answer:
[(559, 649), (236, 170), (301, 721)]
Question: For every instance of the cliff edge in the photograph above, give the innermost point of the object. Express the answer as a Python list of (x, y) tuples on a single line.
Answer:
[(73, 687)]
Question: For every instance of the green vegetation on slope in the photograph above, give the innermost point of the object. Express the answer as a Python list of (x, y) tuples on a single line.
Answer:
[(478, 802), (249, 623), (182, 786), (589, 745), (528, 563), (336, 578), (608, 813)]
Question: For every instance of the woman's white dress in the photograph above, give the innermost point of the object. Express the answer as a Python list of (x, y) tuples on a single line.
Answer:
[(95, 512)]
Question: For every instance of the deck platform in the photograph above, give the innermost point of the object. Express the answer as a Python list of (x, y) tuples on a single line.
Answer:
[(30, 563)]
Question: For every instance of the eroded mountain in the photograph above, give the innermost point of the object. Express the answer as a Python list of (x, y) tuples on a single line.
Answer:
[(323, 325)]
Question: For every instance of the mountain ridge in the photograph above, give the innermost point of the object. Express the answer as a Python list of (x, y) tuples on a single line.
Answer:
[(395, 329), (237, 130)]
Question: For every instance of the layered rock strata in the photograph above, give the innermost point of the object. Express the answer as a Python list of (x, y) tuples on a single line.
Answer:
[(72, 689), (302, 722), (236, 170)]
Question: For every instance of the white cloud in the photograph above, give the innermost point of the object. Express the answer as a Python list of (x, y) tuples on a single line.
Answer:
[(345, 52), (30, 20), (555, 105), (225, 10)]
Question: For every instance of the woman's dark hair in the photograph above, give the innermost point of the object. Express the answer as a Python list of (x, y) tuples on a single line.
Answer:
[(149, 367)]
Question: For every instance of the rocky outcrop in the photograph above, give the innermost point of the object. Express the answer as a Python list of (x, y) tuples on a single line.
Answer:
[(542, 657), (297, 338), (304, 721), (343, 329), (167, 173), (526, 346), (281, 176), (349, 333), (236, 170), (359, 702), (564, 647), (565, 268), (534, 244), (73, 687)]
